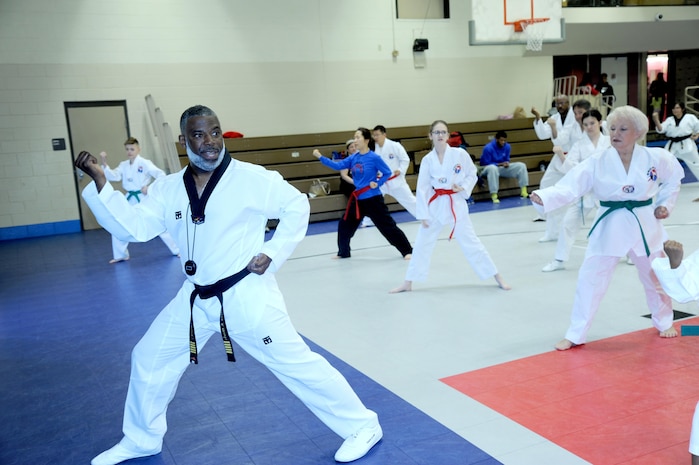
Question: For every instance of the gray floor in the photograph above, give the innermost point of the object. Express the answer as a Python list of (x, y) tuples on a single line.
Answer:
[(454, 322)]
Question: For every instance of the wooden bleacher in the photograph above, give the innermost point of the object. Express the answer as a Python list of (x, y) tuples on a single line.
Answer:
[(292, 157)]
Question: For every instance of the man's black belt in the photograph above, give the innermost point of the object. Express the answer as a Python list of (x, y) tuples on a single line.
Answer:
[(206, 292)]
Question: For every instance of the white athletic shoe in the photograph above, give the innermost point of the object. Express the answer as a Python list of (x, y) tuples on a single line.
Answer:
[(120, 453), (357, 445), (555, 265)]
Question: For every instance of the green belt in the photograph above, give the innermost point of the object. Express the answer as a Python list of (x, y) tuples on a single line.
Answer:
[(134, 194), (629, 205)]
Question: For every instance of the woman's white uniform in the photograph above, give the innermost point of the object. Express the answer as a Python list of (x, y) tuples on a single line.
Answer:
[(134, 176), (456, 168), (653, 174), (397, 158), (685, 150), (232, 234), (577, 212), (682, 284), (568, 133)]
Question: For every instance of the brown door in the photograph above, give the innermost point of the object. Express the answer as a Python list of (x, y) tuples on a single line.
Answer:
[(96, 127)]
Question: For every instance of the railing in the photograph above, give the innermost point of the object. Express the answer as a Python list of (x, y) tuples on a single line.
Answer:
[(568, 85), (691, 102)]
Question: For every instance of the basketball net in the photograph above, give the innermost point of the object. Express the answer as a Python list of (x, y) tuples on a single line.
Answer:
[(534, 32)]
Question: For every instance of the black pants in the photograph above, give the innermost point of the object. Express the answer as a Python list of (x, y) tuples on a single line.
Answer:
[(375, 208)]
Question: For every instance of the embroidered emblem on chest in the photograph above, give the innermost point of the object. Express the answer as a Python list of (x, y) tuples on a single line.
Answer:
[(628, 189), (652, 174)]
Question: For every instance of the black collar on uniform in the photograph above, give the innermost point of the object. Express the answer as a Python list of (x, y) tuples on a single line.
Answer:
[(198, 204)]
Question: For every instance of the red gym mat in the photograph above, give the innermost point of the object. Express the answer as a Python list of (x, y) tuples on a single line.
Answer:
[(623, 400)]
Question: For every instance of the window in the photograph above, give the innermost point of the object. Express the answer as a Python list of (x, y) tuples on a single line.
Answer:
[(422, 9)]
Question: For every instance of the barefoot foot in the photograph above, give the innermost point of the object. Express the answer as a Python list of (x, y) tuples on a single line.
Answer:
[(565, 344), (501, 283), (670, 332), (407, 256), (117, 260), (407, 286)]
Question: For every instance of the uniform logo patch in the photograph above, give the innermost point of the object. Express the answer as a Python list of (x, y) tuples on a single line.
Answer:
[(442, 180), (267, 340), (628, 189), (652, 174), (457, 168), (178, 215), (140, 169)]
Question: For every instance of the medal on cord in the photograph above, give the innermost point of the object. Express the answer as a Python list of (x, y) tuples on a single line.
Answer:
[(190, 266)]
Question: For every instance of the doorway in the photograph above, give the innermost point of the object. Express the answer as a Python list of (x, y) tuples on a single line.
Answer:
[(95, 127), (657, 65)]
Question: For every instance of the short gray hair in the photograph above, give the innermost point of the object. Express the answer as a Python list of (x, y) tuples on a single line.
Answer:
[(196, 110), (631, 115)]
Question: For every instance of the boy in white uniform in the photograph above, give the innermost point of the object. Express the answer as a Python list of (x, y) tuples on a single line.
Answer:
[(217, 210), (135, 174)]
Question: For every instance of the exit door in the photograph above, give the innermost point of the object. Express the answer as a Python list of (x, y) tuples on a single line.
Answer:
[(96, 127)]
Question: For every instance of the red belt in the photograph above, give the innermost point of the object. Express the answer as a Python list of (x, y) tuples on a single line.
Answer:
[(449, 192), (355, 198)]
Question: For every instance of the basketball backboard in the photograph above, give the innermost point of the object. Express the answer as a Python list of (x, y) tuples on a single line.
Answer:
[(498, 22)]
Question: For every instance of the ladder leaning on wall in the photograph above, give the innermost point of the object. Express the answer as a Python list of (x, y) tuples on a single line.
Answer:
[(163, 133)]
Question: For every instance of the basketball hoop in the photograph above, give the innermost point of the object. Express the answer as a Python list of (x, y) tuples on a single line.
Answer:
[(534, 30)]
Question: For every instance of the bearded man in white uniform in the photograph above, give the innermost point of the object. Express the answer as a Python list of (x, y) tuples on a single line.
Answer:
[(217, 210), (395, 156), (564, 129), (637, 187)]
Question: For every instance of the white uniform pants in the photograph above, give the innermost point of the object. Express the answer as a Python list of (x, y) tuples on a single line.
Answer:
[(400, 190), (120, 249), (162, 355), (516, 170), (570, 225), (686, 151), (593, 280), (552, 175), (694, 436), (471, 246)]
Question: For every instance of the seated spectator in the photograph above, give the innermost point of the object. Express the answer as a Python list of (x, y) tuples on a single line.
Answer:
[(495, 160)]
